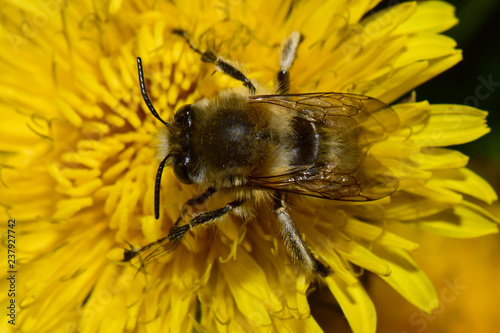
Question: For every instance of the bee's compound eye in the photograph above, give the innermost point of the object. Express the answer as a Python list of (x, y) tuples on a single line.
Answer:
[(183, 116), (181, 172)]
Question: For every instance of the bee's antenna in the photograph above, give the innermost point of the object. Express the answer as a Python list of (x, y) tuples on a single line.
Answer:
[(145, 95), (158, 185)]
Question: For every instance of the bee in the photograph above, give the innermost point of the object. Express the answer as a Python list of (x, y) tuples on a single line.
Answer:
[(257, 146)]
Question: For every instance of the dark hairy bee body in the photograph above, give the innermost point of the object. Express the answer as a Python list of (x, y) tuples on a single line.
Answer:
[(256, 146), (224, 148)]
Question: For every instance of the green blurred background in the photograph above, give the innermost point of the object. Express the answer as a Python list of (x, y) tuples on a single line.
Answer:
[(478, 35)]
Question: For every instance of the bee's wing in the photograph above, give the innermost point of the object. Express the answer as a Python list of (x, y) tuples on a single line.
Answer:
[(351, 124), (330, 109), (368, 181)]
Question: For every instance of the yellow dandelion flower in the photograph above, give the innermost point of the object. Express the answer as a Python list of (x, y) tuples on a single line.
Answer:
[(78, 158)]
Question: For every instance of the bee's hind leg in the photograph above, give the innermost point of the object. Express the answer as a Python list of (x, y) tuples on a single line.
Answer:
[(288, 52), (293, 240)]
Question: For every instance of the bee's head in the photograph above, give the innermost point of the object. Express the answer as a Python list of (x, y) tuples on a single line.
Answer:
[(176, 150), (180, 145), (175, 143)]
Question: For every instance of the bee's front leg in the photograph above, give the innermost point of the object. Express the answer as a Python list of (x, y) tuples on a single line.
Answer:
[(200, 198), (167, 244), (177, 232), (195, 201)]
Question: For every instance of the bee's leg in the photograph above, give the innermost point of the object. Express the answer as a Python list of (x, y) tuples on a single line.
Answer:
[(201, 198), (170, 242), (195, 201), (287, 56), (293, 240), (177, 232), (222, 65)]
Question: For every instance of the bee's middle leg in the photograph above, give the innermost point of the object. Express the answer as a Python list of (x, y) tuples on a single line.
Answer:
[(293, 239)]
